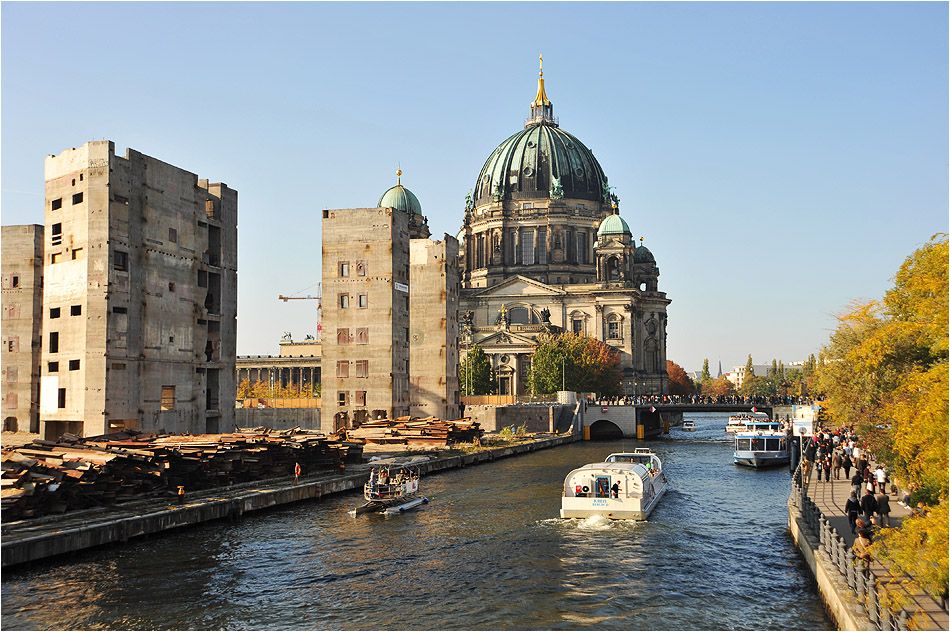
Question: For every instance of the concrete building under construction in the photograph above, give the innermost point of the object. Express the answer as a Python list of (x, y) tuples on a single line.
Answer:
[(140, 296)]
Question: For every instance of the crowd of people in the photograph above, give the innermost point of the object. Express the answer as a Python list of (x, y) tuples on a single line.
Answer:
[(640, 400)]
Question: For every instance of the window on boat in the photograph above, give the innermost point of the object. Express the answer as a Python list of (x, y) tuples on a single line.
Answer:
[(602, 487), (743, 444), (771, 444)]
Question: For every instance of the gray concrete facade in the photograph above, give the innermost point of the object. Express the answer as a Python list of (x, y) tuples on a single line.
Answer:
[(365, 365), (433, 331), (22, 322), (140, 296)]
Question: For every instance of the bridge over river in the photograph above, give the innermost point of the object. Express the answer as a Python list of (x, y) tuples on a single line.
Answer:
[(642, 421)]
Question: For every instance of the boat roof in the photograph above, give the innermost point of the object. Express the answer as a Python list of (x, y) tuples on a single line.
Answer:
[(399, 461)]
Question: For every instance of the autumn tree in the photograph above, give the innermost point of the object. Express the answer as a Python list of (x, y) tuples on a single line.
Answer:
[(720, 387), (576, 363), (680, 384), (476, 376), (885, 371), (705, 374)]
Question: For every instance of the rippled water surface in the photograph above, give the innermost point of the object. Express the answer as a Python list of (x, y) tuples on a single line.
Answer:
[(487, 553)]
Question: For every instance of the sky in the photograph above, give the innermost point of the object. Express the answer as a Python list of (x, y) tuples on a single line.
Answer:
[(780, 160)]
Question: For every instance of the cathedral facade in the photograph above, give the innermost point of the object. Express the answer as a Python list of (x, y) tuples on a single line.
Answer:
[(543, 249)]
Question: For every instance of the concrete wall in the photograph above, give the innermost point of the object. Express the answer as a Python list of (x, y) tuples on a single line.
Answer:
[(277, 418), (22, 289), (536, 417), (141, 262), (433, 328)]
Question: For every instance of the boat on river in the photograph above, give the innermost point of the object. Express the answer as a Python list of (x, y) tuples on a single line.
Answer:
[(737, 422), (689, 426), (393, 486), (625, 486), (762, 444)]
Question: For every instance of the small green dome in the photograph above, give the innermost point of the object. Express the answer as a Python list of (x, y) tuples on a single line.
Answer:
[(643, 255), (401, 198), (613, 225)]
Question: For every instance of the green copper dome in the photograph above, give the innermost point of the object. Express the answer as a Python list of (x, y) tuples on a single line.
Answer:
[(401, 198), (541, 161), (643, 255), (613, 225)]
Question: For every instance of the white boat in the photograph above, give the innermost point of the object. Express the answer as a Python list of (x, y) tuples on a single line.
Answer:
[(393, 486), (762, 444), (737, 422), (689, 426), (626, 486)]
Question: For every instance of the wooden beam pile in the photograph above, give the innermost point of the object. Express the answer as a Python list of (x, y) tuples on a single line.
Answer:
[(427, 432), (72, 473)]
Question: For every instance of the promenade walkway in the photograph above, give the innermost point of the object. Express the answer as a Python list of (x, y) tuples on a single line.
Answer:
[(830, 497)]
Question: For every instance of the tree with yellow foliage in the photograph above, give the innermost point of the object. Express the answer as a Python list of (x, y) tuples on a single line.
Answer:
[(886, 373)]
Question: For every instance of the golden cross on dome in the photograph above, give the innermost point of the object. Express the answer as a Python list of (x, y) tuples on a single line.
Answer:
[(541, 65), (398, 176)]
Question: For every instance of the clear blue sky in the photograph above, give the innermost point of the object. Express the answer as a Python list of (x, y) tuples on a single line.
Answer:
[(780, 159)]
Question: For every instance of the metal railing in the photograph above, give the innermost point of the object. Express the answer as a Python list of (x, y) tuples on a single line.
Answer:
[(862, 581)]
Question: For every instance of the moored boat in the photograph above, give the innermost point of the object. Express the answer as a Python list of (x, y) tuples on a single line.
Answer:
[(393, 486), (762, 444), (737, 422), (626, 486)]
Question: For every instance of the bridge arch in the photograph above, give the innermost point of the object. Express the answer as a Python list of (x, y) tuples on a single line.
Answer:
[(603, 429)]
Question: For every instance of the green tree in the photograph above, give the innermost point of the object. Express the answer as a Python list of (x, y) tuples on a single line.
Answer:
[(749, 367), (576, 363), (476, 376), (680, 384), (885, 371), (705, 374)]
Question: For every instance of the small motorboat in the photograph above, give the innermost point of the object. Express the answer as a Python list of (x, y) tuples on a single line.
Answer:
[(626, 486), (393, 486), (689, 426)]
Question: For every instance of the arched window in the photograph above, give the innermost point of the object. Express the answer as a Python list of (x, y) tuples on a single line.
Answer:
[(522, 316), (613, 269)]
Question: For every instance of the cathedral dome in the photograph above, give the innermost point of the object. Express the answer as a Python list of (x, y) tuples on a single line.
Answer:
[(541, 161), (613, 225), (643, 255), (400, 198)]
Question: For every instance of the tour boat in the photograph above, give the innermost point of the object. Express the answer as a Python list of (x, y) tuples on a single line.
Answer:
[(762, 444), (626, 486), (689, 426), (393, 486), (737, 423)]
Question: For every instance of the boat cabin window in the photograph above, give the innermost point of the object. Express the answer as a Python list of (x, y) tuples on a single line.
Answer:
[(602, 487)]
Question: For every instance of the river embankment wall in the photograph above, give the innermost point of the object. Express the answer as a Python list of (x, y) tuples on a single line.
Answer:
[(838, 597), (31, 540)]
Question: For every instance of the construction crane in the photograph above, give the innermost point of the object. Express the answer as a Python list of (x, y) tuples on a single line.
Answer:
[(309, 297)]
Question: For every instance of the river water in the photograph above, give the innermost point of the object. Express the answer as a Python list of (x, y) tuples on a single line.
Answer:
[(487, 553)]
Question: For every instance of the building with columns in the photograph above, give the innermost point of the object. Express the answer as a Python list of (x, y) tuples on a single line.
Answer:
[(543, 249)]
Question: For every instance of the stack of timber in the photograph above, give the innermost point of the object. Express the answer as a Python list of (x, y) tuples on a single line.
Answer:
[(427, 432), (72, 473)]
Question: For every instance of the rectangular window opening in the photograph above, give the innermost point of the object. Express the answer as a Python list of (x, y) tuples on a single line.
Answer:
[(77, 198), (54, 312), (52, 367), (75, 310), (54, 342), (56, 204), (168, 398), (74, 365)]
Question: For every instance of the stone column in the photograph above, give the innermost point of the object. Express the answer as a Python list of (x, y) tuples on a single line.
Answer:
[(599, 322)]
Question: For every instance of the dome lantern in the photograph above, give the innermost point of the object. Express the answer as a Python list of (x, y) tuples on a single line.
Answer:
[(542, 110)]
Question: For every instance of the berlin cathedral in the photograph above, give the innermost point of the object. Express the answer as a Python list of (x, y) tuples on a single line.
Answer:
[(543, 249)]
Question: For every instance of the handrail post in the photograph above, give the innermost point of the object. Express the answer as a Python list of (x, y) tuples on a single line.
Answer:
[(852, 571), (874, 613)]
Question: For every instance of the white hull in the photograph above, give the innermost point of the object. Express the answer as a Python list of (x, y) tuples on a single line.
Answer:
[(612, 508)]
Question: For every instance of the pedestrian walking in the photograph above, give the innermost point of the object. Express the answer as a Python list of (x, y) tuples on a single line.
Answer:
[(868, 504), (862, 556), (836, 464), (852, 507), (883, 508), (846, 465), (856, 481)]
